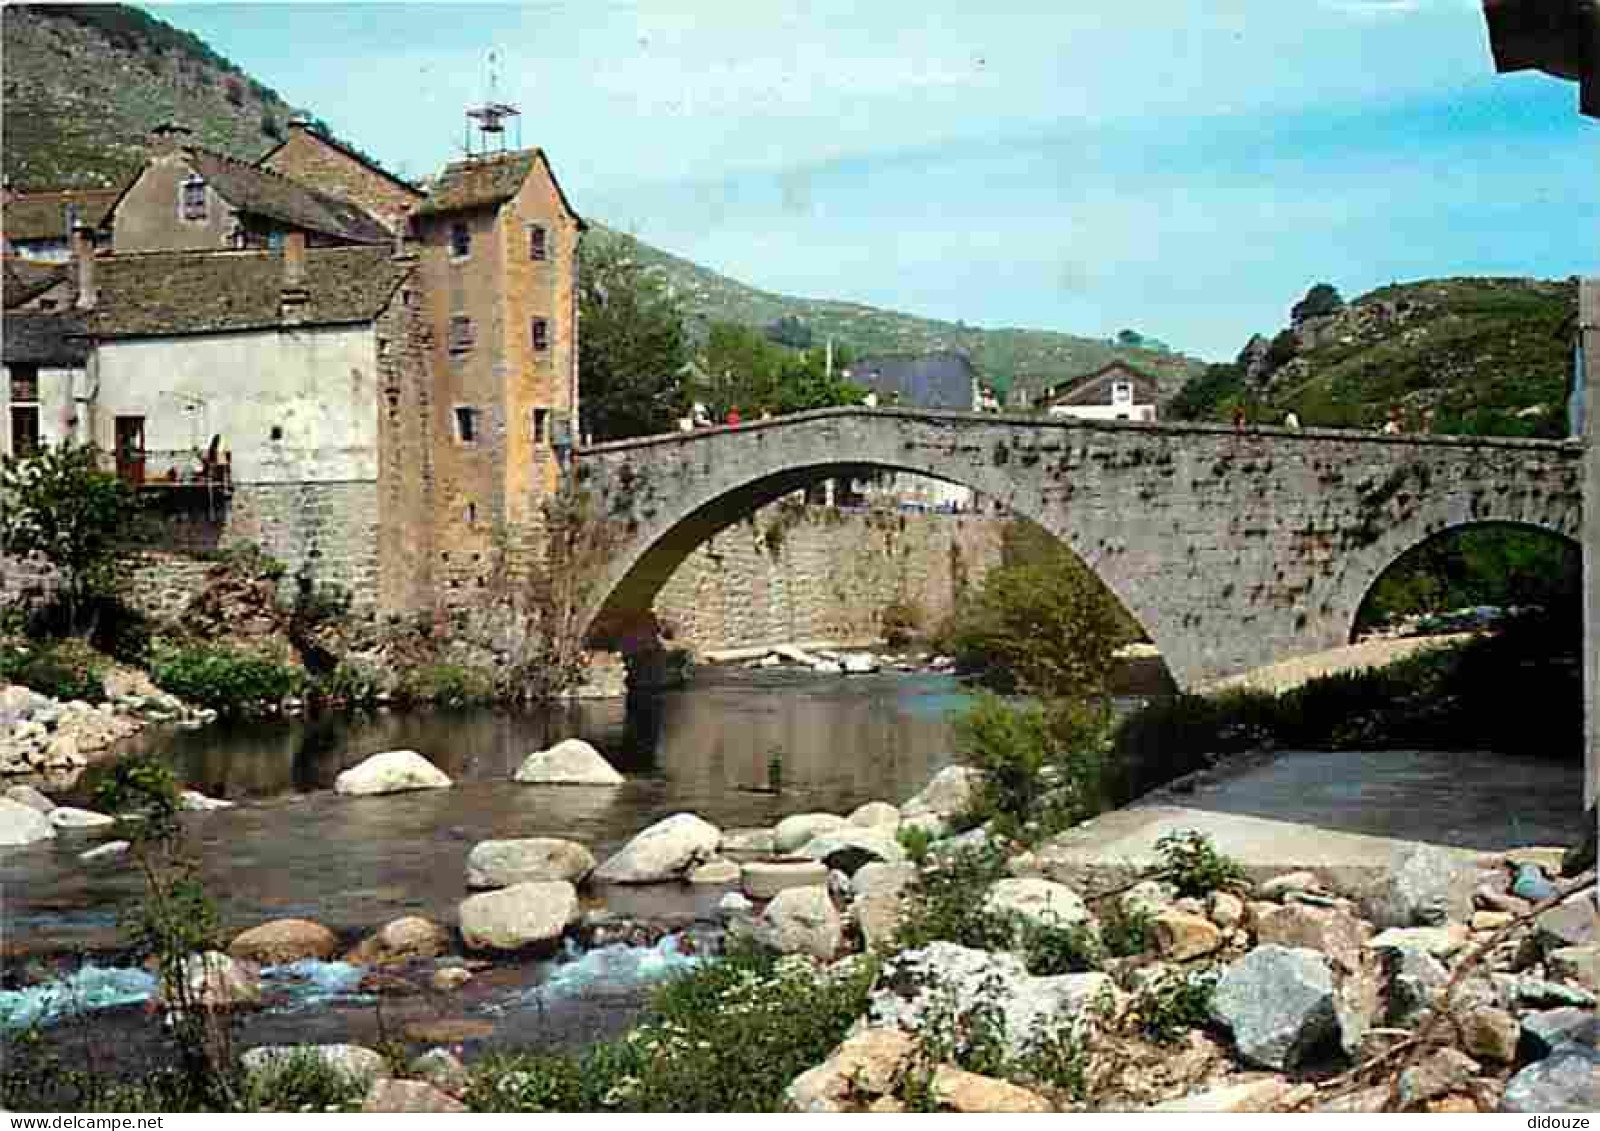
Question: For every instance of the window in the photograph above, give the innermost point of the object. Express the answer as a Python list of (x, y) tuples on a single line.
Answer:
[(467, 425), (460, 239), (536, 241), (24, 382), (541, 335), (193, 201), (24, 430), (1122, 392), (541, 426), (460, 334), (472, 515)]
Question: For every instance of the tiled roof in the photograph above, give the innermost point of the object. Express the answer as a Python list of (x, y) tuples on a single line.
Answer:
[(26, 279), (934, 380), (43, 215), (479, 182), (43, 339), (264, 193), (168, 293)]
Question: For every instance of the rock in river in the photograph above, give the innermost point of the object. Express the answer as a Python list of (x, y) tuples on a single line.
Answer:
[(284, 940), (667, 850), (501, 863), (396, 771), (22, 824), (570, 762), (523, 915)]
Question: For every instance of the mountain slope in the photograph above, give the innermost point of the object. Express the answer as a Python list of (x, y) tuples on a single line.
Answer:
[(85, 84), (1481, 355), (1007, 357)]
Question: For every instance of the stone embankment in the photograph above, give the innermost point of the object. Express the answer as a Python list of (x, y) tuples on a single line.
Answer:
[(41, 735)]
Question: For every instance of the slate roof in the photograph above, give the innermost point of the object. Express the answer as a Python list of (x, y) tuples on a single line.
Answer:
[(27, 279), (43, 339), (275, 196), (480, 182), (1084, 388), (168, 293), (43, 215), (933, 380), (339, 147)]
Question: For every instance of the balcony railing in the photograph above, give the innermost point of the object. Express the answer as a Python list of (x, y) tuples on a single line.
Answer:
[(176, 468)]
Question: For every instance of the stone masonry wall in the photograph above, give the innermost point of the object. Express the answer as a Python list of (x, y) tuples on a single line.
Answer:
[(795, 573), (327, 531)]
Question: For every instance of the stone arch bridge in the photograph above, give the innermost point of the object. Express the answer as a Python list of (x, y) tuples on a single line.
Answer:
[(1233, 548)]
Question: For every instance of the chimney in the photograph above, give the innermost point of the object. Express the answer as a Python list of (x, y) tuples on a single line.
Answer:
[(301, 122), (83, 260), (294, 295), (170, 136)]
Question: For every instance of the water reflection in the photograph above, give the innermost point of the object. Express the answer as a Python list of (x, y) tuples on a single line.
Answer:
[(294, 848)]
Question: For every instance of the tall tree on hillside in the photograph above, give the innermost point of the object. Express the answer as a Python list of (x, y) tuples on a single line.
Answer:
[(631, 345)]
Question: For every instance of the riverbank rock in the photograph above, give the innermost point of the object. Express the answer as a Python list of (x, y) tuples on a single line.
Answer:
[(401, 940), (216, 981), (395, 771), (1441, 942), (801, 921), (1424, 886), (875, 814), (1278, 1002), (848, 848), (880, 899), (748, 842), (569, 762), (967, 1092), (409, 1097), (501, 863), (1580, 964), (450, 978), (1182, 935), (763, 879), (67, 817), (356, 1063), (1331, 930), (951, 792), (32, 798), (718, 871), (284, 940), (21, 824), (1037, 903), (862, 1068), (521, 916), (1568, 1080), (193, 801), (916, 984), (1258, 1095), (1569, 923), (443, 1069), (793, 831), (664, 851), (111, 850)]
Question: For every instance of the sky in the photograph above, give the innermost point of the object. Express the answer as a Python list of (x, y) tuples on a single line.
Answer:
[(1184, 169)]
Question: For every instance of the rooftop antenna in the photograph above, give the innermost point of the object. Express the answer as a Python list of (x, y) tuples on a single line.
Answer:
[(491, 117)]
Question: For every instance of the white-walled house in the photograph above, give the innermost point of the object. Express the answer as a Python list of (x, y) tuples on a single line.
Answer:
[(1115, 391)]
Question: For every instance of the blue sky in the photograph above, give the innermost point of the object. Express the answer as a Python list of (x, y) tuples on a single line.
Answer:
[(1183, 168)]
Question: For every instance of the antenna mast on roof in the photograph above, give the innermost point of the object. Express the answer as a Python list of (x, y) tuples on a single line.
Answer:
[(491, 117)]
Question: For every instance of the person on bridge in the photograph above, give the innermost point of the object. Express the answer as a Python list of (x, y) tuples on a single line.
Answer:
[(733, 415)]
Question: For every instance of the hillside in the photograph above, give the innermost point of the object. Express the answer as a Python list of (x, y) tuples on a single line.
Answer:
[(1482, 355), (1008, 357), (85, 84)]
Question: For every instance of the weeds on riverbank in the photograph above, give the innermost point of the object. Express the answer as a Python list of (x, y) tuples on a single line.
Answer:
[(729, 1036)]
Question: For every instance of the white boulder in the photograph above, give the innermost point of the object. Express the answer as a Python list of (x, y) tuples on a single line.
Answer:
[(569, 762), (793, 831), (523, 915), (502, 863), (667, 850), (395, 771), (22, 824)]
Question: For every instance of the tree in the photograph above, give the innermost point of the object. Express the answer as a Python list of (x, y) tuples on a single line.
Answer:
[(631, 345), (744, 369), (789, 331), (1129, 338), (1321, 299), (60, 507)]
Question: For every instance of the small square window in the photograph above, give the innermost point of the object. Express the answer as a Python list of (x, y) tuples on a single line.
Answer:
[(541, 335), (467, 425), (536, 241), (193, 199), (1122, 392), (460, 239), (460, 334)]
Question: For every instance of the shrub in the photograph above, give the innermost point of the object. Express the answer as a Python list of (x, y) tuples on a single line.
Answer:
[(300, 1082), (947, 902), (724, 1037), (1194, 866), (351, 681), (1169, 1007), (901, 620), (66, 669), (455, 685), (1125, 932), (1049, 949), (222, 678), (248, 560)]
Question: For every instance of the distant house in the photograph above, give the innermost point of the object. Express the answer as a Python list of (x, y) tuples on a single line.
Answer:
[(42, 352), (944, 380), (1115, 391), (39, 225), (190, 199)]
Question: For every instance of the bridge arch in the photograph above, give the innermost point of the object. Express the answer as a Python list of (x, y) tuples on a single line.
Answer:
[(1233, 549)]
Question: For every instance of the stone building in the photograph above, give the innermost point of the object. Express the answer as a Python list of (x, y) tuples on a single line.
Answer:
[(1115, 391), (187, 198), (269, 362), (38, 226)]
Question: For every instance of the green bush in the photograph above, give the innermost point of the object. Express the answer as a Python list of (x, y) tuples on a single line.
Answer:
[(1170, 1007), (65, 669), (1050, 949), (453, 684), (351, 681), (1191, 862), (1125, 932), (900, 621), (300, 1082), (221, 678), (724, 1037), (947, 901)]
